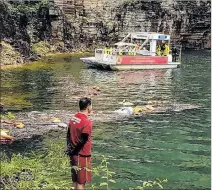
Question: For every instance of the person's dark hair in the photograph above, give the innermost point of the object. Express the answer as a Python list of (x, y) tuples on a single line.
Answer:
[(84, 103)]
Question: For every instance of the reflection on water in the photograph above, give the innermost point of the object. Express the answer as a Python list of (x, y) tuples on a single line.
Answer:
[(172, 145)]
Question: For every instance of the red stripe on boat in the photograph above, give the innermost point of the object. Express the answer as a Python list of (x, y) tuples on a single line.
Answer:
[(142, 60)]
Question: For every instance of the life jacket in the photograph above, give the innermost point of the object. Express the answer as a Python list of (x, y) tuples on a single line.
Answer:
[(120, 52), (158, 51), (166, 50), (110, 51), (130, 52), (105, 50)]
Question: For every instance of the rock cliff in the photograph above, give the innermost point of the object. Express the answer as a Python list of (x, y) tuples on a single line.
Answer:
[(78, 25), (188, 22)]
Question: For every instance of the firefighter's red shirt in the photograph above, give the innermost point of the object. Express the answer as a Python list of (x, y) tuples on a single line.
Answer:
[(79, 124)]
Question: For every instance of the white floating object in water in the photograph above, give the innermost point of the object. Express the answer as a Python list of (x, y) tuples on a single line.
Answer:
[(125, 111)]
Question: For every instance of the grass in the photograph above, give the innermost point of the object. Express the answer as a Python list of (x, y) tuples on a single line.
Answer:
[(17, 100), (52, 171)]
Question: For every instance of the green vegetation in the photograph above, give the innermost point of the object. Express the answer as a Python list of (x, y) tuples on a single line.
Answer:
[(9, 55), (7, 115), (24, 8), (16, 100), (52, 171), (41, 48)]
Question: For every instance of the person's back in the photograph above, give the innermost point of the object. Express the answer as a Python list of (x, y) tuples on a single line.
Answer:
[(79, 144), (79, 125)]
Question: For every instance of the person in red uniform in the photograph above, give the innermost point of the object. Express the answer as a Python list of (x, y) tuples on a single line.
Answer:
[(79, 144)]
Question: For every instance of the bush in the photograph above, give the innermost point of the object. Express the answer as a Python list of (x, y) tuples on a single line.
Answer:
[(9, 55), (52, 171), (41, 48)]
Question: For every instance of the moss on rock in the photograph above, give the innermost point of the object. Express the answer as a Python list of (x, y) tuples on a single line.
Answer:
[(9, 55), (41, 48)]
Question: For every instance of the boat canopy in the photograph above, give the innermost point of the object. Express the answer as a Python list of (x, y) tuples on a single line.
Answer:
[(147, 35), (124, 44)]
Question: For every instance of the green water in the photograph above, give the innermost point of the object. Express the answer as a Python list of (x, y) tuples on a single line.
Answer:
[(172, 145)]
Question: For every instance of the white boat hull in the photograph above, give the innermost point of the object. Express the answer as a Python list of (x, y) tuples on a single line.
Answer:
[(91, 62)]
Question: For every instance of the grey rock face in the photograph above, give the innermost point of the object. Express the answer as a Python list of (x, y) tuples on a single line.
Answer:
[(97, 21), (83, 25)]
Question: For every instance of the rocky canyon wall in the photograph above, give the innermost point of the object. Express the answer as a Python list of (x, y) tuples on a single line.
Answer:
[(24, 25), (73, 25), (188, 22)]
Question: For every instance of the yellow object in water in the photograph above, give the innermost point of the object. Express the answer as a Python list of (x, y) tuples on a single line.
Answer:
[(19, 124), (137, 109), (4, 130), (4, 135)]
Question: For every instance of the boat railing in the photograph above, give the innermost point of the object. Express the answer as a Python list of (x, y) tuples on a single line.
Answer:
[(100, 52), (100, 55)]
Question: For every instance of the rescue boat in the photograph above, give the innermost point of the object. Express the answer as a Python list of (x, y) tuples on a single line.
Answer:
[(137, 51)]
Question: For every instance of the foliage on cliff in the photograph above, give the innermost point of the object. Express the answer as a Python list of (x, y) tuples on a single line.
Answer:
[(9, 55), (24, 28), (41, 48)]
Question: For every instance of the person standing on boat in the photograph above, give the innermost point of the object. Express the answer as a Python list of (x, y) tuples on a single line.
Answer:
[(158, 50), (165, 48), (174, 53), (137, 46), (110, 51), (79, 144), (105, 50), (120, 51)]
